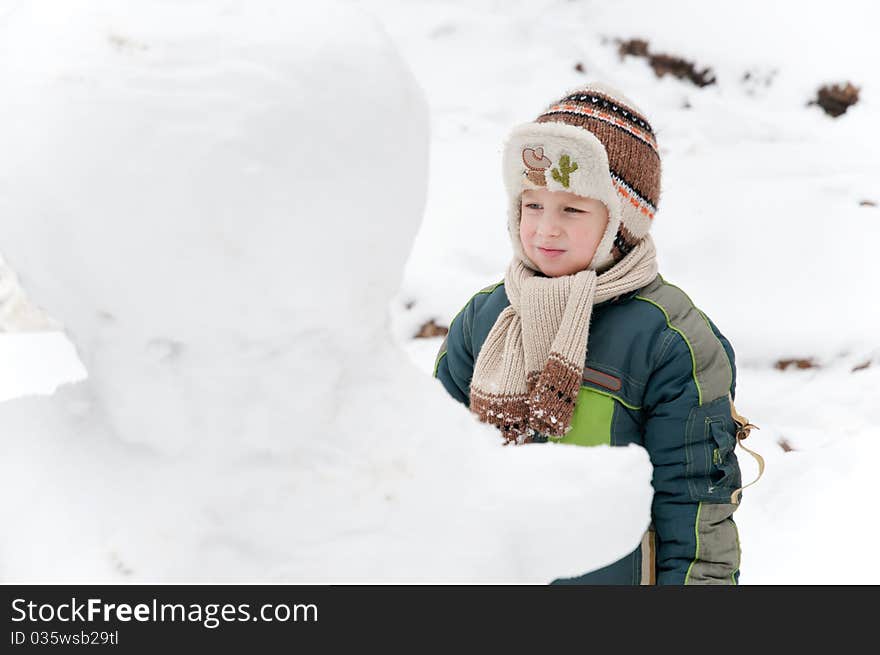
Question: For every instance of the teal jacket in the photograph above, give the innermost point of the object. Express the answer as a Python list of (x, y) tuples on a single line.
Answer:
[(660, 374)]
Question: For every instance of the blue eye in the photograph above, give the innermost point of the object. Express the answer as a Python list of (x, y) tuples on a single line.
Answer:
[(533, 205), (575, 209)]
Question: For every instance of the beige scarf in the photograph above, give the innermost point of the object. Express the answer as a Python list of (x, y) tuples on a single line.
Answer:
[(529, 370)]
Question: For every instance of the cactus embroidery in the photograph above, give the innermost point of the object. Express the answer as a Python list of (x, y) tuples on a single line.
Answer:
[(566, 168)]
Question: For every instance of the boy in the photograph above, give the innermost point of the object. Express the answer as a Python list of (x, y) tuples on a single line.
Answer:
[(584, 343)]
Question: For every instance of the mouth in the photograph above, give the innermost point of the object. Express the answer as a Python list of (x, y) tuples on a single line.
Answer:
[(550, 252)]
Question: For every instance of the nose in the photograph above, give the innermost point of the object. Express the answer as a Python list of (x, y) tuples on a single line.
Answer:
[(548, 226)]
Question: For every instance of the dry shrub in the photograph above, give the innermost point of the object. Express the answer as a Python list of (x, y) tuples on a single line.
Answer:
[(431, 329), (862, 366), (632, 47), (664, 64), (836, 99), (784, 364), (682, 69)]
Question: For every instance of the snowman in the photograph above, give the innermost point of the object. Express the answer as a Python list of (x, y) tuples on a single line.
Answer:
[(216, 201)]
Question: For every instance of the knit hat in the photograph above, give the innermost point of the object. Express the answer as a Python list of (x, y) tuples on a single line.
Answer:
[(596, 143)]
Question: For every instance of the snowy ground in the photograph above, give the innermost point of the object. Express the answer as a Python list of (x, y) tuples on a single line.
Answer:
[(760, 221)]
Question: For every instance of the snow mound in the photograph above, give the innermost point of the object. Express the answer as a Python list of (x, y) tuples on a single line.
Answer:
[(217, 202)]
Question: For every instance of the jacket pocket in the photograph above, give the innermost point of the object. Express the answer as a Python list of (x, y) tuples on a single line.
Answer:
[(712, 468), (592, 419), (725, 467)]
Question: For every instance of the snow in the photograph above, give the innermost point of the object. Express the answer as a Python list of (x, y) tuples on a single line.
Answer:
[(760, 223), (217, 201), (37, 362)]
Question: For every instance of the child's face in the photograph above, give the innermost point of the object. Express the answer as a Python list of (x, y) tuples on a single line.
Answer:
[(560, 230)]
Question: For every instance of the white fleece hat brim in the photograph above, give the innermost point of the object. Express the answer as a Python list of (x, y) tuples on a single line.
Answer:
[(591, 179)]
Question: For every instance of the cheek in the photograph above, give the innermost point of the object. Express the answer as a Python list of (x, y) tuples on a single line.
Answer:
[(598, 228), (592, 233), (525, 231)]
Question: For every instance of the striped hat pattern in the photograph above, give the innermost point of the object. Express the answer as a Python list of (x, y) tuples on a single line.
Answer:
[(597, 143)]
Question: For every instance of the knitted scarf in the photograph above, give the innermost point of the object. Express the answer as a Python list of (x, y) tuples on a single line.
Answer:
[(528, 373)]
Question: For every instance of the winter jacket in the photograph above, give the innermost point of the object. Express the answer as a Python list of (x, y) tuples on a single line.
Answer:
[(660, 374)]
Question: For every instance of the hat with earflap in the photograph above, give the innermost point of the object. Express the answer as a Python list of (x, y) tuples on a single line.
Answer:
[(596, 143)]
